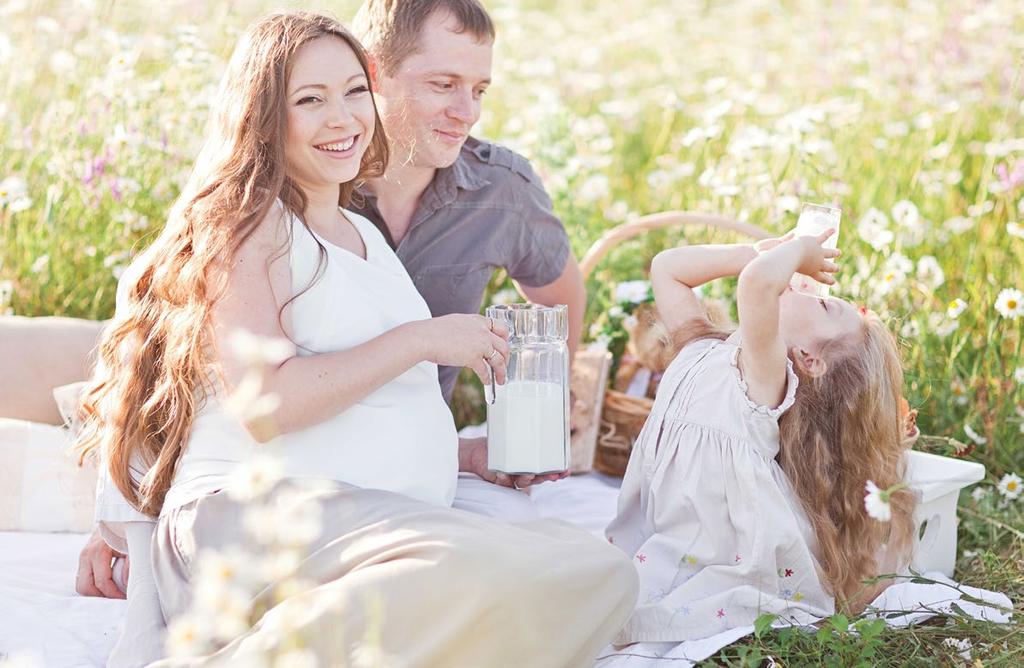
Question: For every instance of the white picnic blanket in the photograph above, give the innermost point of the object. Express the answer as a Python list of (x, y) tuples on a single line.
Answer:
[(41, 616)]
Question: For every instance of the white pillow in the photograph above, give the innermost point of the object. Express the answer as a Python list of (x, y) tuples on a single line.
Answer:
[(43, 488)]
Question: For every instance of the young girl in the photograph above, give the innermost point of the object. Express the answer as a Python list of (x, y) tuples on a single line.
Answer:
[(260, 241), (744, 493)]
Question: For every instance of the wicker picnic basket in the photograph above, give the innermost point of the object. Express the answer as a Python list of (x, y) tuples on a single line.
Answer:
[(623, 415)]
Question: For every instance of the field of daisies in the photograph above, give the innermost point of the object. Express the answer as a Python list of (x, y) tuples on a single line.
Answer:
[(908, 115)]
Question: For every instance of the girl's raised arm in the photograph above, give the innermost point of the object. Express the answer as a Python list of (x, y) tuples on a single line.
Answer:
[(677, 271), (763, 351)]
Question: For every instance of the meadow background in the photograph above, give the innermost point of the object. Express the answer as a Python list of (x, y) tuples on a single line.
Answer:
[(908, 115)]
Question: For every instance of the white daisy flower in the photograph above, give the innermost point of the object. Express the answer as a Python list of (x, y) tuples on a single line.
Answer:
[(905, 212), (1010, 303), (874, 229), (1010, 486), (506, 296), (40, 264), (1015, 229), (974, 436), (876, 502), (961, 646), (633, 292), (958, 225), (929, 271), (979, 494), (959, 390), (956, 307), (1018, 374)]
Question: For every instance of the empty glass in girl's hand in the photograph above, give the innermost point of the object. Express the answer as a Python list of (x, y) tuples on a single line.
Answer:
[(528, 416), (815, 219)]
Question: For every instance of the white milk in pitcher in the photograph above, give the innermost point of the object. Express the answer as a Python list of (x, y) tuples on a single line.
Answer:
[(527, 428)]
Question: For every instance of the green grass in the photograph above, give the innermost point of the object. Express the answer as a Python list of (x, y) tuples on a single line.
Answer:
[(737, 108)]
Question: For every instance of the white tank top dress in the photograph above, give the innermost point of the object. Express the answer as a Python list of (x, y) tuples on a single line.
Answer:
[(400, 438)]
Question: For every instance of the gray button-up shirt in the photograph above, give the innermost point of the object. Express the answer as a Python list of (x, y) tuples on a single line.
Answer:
[(488, 210)]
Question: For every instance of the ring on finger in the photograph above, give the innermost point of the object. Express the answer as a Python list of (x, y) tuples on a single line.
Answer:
[(494, 351), (490, 323)]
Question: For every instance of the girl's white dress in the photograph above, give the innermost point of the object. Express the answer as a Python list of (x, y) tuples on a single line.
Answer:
[(714, 527)]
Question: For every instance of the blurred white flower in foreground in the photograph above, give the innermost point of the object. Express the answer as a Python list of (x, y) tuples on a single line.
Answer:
[(253, 350), (1018, 374), (876, 502), (186, 636), (1010, 486), (255, 477), (1010, 303), (288, 520), (247, 401), (956, 307), (297, 658)]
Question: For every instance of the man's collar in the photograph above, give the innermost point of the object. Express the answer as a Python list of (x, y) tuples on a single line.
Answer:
[(446, 179), (462, 173)]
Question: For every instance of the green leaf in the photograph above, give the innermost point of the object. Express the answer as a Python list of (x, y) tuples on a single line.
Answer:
[(763, 623), (840, 623)]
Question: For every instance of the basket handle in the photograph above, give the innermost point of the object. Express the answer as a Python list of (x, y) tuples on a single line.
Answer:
[(655, 221)]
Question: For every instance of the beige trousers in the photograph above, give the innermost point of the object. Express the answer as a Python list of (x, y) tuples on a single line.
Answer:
[(403, 583)]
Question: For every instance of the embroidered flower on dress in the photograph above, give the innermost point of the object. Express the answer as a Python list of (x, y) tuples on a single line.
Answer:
[(720, 613), (641, 557), (789, 572)]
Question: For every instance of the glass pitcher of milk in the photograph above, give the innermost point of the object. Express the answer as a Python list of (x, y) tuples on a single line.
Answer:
[(528, 416), (815, 219)]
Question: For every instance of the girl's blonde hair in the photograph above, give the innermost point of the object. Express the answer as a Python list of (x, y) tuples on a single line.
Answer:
[(845, 428), (154, 359)]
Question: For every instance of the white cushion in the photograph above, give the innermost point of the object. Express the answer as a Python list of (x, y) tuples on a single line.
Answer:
[(44, 488)]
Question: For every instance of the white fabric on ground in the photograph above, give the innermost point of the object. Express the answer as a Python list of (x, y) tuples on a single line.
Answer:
[(41, 614)]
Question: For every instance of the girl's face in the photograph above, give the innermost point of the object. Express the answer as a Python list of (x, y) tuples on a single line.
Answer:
[(330, 114), (806, 321)]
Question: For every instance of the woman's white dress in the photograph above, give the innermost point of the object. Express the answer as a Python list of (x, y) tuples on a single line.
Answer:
[(400, 438)]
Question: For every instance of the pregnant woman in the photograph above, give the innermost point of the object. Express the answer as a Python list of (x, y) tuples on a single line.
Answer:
[(260, 241)]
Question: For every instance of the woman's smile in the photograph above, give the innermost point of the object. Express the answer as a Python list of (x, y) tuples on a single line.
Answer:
[(339, 149)]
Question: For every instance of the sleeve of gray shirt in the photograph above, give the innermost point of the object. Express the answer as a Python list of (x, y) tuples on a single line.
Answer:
[(539, 251)]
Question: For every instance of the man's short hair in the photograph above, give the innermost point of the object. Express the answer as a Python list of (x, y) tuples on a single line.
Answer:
[(390, 29)]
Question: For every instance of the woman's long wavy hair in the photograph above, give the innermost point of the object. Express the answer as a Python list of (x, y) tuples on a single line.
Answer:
[(154, 359), (846, 427)]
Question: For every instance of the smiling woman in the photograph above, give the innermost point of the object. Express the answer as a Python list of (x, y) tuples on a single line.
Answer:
[(260, 241)]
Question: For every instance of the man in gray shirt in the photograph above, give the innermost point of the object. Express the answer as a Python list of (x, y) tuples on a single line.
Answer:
[(454, 208)]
